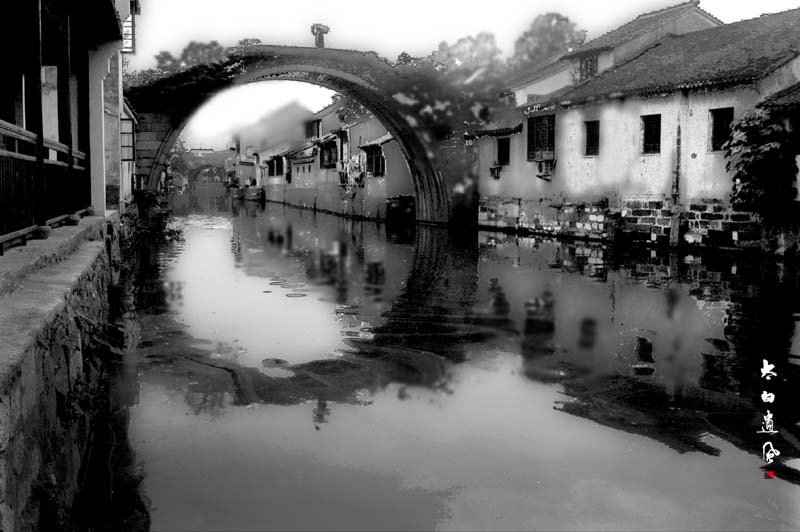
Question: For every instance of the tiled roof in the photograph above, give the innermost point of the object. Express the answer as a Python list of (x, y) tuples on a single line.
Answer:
[(641, 25), (554, 63), (499, 132), (737, 53), (787, 98), (380, 141)]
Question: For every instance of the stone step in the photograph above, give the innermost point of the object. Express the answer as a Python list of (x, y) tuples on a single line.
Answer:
[(22, 261)]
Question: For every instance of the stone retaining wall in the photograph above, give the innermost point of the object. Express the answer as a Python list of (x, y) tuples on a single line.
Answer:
[(649, 219), (49, 376)]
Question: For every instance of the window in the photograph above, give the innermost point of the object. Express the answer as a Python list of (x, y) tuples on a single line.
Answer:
[(541, 138), (127, 139), (129, 35), (721, 120), (376, 164), (651, 134), (592, 137), (503, 151), (278, 165), (588, 67), (270, 168), (328, 155), (312, 129)]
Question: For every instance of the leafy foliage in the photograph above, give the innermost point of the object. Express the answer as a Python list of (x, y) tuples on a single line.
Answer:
[(195, 53), (761, 154)]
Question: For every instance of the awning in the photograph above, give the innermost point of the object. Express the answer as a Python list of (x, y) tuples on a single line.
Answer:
[(300, 151), (788, 98), (380, 141), (500, 132), (330, 137)]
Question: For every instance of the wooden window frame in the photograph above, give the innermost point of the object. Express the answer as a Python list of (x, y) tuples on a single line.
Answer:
[(715, 116), (542, 138), (588, 67), (328, 155), (123, 135), (376, 162), (592, 138), (500, 151), (651, 134)]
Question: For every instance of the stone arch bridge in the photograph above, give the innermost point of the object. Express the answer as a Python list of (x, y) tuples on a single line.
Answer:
[(442, 167)]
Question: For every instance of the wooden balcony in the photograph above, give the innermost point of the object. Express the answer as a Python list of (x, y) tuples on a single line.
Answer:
[(42, 182)]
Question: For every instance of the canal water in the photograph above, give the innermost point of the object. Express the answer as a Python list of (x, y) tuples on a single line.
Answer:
[(301, 371)]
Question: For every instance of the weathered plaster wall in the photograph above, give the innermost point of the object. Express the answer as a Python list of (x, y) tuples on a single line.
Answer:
[(552, 82), (622, 181), (319, 188), (620, 166), (703, 173)]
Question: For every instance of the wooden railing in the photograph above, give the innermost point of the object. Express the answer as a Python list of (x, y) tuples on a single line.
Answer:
[(34, 191)]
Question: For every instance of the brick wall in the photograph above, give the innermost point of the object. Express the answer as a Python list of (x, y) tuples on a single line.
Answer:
[(712, 223)]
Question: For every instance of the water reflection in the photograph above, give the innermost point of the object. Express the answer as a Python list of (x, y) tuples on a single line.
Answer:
[(337, 345)]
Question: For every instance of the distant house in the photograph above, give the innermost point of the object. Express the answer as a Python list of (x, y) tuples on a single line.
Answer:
[(638, 140), (347, 163), (608, 50)]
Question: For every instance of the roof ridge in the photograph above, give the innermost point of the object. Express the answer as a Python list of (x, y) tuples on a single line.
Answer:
[(728, 25), (762, 15), (695, 3)]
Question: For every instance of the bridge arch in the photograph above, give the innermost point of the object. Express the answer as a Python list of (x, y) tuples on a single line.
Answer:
[(165, 103)]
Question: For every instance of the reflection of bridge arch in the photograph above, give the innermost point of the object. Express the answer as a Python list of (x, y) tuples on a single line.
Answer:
[(165, 104)]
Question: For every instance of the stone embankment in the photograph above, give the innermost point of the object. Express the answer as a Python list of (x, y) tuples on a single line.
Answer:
[(53, 301)]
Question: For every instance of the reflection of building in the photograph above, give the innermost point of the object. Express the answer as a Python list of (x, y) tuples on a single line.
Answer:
[(631, 125), (654, 347), (60, 81)]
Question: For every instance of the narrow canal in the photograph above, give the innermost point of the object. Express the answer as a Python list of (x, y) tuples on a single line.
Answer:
[(303, 371)]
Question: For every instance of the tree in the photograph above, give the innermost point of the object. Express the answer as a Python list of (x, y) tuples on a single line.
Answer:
[(547, 35), (247, 43), (470, 52), (195, 53), (761, 155)]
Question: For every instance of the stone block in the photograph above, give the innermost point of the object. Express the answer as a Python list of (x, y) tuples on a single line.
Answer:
[(664, 222), (749, 236), (740, 217), (711, 216), (656, 204)]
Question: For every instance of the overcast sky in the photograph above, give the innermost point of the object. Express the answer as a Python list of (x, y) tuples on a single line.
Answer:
[(387, 27)]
